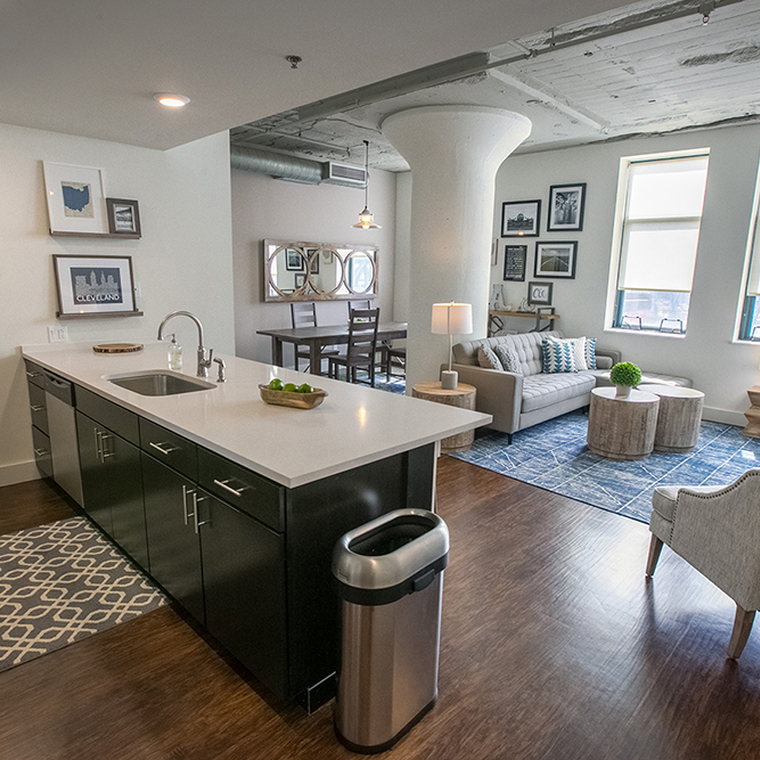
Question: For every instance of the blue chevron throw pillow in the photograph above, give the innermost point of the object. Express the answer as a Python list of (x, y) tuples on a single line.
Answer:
[(591, 353), (558, 356)]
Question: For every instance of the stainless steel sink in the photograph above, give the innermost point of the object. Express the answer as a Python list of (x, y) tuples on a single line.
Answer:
[(159, 382)]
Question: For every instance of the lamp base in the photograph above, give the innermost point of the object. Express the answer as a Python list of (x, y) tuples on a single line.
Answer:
[(449, 380)]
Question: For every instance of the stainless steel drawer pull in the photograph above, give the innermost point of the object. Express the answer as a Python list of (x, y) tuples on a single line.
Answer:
[(185, 493), (104, 452), (33, 374), (36, 408), (163, 447), (196, 521), (225, 485), (41, 452)]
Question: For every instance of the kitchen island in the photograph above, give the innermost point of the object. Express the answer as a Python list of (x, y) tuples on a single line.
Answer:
[(234, 506)]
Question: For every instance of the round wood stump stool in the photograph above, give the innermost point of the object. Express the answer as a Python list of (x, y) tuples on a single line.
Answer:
[(463, 397), (679, 417), (622, 427)]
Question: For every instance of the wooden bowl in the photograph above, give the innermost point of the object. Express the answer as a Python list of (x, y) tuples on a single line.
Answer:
[(292, 399)]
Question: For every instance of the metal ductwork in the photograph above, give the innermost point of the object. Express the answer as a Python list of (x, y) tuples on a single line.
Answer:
[(276, 165)]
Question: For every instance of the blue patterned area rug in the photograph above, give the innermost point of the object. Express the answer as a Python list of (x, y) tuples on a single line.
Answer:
[(60, 583), (554, 456)]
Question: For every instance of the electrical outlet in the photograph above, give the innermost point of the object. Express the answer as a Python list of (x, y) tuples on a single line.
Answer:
[(58, 333)]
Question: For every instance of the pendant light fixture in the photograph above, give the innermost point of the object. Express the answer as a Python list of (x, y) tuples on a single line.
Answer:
[(366, 220)]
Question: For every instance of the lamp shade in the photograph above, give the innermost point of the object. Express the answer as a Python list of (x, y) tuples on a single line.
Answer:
[(452, 319)]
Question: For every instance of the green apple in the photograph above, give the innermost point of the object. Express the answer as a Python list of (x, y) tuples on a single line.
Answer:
[(275, 385)]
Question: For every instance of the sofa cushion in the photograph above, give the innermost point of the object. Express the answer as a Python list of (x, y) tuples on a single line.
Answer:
[(590, 353), (558, 355), (527, 345), (508, 357), (488, 359), (540, 391)]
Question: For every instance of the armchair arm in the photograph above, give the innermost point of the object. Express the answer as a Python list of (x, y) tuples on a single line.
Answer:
[(719, 534), (606, 357), (498, 394)]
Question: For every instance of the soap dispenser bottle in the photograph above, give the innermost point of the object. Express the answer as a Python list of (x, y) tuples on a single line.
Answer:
[(175, 354)]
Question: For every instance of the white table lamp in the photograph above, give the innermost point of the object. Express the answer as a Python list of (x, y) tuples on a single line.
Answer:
[(451, 319)]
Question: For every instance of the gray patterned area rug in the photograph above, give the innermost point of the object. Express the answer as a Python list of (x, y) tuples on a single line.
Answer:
[(60, 583), (554, 456)]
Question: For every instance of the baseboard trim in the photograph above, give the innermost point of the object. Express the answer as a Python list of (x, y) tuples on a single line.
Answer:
[(726, 416), (20, 472)]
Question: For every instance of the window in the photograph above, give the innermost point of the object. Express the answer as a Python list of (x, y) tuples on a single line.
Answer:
[(749, 328), (659, 232)]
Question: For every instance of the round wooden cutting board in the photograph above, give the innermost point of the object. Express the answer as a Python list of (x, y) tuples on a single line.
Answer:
[(117, 348)]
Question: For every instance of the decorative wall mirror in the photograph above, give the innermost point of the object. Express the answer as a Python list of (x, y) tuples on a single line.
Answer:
[(300, 271)]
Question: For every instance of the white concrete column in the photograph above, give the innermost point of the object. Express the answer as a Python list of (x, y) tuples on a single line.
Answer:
[(454, 153)]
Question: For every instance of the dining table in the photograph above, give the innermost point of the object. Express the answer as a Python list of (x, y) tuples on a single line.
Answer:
[(316, 338)]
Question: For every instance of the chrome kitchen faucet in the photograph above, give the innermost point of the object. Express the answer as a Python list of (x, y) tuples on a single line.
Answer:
[(204, 362)]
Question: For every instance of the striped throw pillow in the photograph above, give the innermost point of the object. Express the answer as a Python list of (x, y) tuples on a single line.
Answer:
[(558, 356), (591, 353)]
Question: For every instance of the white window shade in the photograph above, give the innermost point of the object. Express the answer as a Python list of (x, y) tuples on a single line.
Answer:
[(667, 189), (659, 256)]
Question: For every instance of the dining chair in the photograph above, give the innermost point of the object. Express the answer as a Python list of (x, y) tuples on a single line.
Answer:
[(305, 315), (361, 347), (716, 530)]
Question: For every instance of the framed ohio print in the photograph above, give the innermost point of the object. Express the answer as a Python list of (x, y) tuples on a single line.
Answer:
[(75, 199), (540, 293), (520, 218), (94, 286), (515, 257), (556, 259), (566, 203), (123, 217)]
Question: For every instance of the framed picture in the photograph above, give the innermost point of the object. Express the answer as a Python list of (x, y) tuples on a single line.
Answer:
[(123, 217), (314, 253), (515, 257), (293, 260), (556, 259), (300, 280), (520, 218), (540, 293), (566, 203), (75, 199), (94, 286)]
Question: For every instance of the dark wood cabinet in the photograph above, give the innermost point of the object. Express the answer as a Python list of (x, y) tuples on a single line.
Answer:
[(173, 525), (112, 486), (244, 588)]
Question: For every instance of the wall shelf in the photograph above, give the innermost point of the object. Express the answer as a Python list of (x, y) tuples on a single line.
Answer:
[(111, 235), (542, 313)]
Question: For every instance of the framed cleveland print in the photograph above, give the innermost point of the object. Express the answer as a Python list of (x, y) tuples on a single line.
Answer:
[(515, 257), (520, 218)]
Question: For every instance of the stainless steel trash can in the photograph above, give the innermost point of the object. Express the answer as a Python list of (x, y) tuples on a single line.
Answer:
[(389, 575)]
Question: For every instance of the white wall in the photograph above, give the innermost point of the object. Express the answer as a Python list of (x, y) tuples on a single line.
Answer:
[(721, 368), (263, 207), (183, 260)]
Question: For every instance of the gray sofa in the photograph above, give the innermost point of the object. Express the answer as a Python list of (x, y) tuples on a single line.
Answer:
[(519, 401)]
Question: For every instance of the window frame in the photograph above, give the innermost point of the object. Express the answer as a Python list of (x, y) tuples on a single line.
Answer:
[(616, 294)]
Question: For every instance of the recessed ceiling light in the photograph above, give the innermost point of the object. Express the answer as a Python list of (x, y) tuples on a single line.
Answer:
[(171, 100)]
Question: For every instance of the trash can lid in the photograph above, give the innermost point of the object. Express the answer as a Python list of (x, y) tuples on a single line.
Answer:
[(390, 549)]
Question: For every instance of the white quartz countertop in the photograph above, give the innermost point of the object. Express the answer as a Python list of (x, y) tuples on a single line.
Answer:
[(353, 426)]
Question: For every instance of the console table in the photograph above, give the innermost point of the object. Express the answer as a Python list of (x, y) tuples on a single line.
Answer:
[(542, 313)]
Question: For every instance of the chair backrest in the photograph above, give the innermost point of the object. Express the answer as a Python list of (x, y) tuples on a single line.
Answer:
[(358, 306), (362, 334), (303, 314)]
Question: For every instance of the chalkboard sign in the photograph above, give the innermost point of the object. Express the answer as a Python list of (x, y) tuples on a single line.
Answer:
[(514, 262)]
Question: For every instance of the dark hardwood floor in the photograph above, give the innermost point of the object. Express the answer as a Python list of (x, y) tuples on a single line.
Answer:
[(554, 646)]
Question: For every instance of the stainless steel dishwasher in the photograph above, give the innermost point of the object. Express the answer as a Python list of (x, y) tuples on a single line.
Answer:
[(62, 428)]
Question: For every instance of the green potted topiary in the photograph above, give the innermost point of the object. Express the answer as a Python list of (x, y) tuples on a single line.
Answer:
[(625, 376)]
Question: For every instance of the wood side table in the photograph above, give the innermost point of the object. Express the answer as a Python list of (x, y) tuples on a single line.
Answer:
[(622, 427), (752, 428), (679, 417), (463, 397)]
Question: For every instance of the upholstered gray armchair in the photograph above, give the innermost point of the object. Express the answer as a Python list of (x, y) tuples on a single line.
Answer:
[(717, 531)]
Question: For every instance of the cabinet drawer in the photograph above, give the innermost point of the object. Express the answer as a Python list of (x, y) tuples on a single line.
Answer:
[(42, 456), (257, 496), (38, 407), (34, 373), (169, 448), (109, 415)]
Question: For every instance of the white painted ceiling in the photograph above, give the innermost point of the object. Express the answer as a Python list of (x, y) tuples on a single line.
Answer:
[(598, 82), (91, 67)]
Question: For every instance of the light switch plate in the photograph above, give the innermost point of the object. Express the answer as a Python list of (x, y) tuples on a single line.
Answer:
[(58, 333)]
